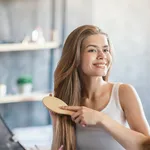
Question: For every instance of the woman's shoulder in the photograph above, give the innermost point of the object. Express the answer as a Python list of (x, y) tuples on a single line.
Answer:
[(126, 88), (127, 94), (123, 87)]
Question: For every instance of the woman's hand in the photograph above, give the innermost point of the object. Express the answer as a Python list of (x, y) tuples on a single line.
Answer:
[(83, 115)]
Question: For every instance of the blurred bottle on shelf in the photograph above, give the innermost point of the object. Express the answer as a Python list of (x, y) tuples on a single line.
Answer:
[(24, 84), (3, 90), (37, 36), (54, 35)]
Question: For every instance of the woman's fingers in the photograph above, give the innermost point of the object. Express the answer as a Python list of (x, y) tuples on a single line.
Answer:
[(52, 113), (78, 120), (83, 123), (72, 108), (61, 147), (51, 94), (75, 115)]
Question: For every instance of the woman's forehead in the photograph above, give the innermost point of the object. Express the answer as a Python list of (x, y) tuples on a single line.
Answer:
[(99, 40)]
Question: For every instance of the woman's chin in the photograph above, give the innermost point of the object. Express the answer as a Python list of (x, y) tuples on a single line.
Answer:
[(102, 73)]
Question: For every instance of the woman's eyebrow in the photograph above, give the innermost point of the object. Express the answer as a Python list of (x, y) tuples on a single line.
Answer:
[(92, 46), (105, 46)]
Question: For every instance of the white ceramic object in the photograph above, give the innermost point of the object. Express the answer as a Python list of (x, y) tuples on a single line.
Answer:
[(25, 88), (3, 90)]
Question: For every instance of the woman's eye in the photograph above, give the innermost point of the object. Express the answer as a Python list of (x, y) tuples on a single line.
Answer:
[(105, 50), (92, 50)]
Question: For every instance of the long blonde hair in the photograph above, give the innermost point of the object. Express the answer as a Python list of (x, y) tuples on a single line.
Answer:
[(67, 84)]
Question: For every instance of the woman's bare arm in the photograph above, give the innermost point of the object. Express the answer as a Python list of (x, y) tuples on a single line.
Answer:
[(133, 109), (129, 139), (132, 138)]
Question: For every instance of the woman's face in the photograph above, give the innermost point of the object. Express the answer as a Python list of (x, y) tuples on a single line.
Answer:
[(95, 55)]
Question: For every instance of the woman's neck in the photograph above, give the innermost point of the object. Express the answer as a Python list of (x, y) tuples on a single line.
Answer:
[(92, 87)]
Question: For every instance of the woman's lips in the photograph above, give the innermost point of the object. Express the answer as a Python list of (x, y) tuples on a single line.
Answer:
[(100, 65)]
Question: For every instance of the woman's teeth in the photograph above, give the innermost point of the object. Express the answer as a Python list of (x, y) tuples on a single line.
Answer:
[(100, 65)]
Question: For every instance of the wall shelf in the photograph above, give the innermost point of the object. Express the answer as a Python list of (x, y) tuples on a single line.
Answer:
[(37, 96), (28, 46)]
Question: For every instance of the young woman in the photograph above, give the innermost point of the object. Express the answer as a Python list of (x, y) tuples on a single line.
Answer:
[(102, 109)]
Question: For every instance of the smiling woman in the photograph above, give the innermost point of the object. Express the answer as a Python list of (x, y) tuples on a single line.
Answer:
[(102, 109), (96, 55)]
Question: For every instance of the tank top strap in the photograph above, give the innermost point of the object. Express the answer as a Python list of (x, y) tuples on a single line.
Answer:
[(115, 95)]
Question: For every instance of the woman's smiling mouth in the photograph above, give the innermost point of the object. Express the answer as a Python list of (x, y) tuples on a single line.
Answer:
[(100, 65)]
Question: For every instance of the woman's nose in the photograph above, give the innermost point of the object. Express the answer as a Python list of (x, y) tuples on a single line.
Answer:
[(100, 55)]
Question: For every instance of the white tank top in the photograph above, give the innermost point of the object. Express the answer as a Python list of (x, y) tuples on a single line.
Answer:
[(97, 138)]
